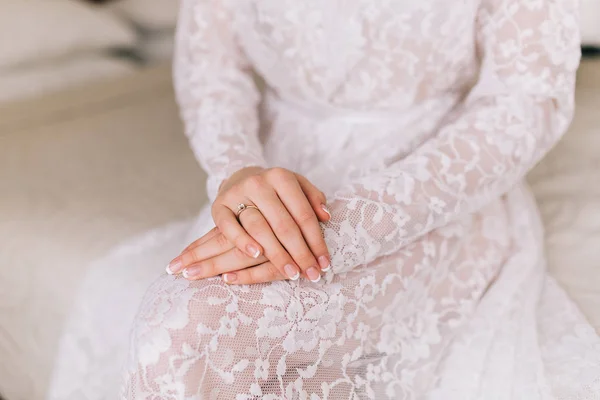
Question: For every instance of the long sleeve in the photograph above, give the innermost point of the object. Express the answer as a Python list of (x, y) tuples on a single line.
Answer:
[(520, 107), (216, 93)]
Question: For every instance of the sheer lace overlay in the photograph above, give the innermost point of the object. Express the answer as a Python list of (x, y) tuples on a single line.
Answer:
[(419, 120)]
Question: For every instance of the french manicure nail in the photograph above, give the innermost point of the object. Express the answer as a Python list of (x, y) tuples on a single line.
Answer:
[(324, 263), (292, 272), (313, 274), (229, 277), (252, 251), (173, 267), (193, 272), (324, 208)]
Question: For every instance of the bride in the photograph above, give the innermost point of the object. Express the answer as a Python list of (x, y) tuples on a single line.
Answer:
[(369, 234)]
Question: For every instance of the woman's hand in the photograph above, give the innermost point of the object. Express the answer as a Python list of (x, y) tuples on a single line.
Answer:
[(213, 255), (283, 232)]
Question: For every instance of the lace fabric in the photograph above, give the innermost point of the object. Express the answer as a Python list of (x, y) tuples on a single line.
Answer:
[(438, 287)]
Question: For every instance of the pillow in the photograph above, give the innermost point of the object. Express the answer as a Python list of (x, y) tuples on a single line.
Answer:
[(40, 79), (149, 15), (156, 47), (33, 30), (590, 22)]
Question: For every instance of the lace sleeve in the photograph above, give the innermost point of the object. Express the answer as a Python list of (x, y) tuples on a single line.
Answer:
[(216, 93), (519, 108)]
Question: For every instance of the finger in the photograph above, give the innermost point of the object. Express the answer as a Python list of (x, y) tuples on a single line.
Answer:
[(294, 199), (209, 235), (257, 226), (315, 197), (283, 224), (226, 221), (218, 244), (209, 249), (231, 260), (262, 273)]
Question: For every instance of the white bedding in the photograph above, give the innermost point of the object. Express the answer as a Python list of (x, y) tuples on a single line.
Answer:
[(26, 82)]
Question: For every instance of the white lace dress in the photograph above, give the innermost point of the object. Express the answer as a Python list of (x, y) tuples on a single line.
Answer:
[(419, 119)]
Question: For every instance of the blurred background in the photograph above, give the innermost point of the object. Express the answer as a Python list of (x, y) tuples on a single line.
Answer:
[(92, 153)]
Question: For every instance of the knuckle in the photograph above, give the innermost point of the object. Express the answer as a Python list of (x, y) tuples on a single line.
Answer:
[(279, 173), (257, 232), (186, 258), (208, 267), (305, 217), (239, 238), (284, 229), (280, 257), (222, 241), (190, 246), (227, 227), (231, 195), (229, 231), (254, 182), (272, 272), (254, 275), (189, 256), (239, 254), (193, 256)]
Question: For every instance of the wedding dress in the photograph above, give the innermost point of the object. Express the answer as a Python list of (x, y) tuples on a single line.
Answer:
[(419, 120)]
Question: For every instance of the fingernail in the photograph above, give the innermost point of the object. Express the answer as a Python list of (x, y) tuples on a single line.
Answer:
[(173, 267), (292, 272), (324, 208), (252, 251), (191, 273), (229, 277), (313, 274), (324, 263)]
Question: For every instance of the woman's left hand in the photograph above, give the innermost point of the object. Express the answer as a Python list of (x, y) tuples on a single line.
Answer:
[(214, 255)]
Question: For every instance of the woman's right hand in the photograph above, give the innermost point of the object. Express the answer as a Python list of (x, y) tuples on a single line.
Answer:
[(285, 227)]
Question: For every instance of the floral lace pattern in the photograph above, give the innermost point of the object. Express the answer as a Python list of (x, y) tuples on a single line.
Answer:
[(438, 287)]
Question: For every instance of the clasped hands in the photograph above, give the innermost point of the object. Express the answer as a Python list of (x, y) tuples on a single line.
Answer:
[(279, 239)]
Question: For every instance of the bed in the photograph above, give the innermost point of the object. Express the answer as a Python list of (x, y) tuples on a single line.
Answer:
[(87, 168), (80, 170)]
